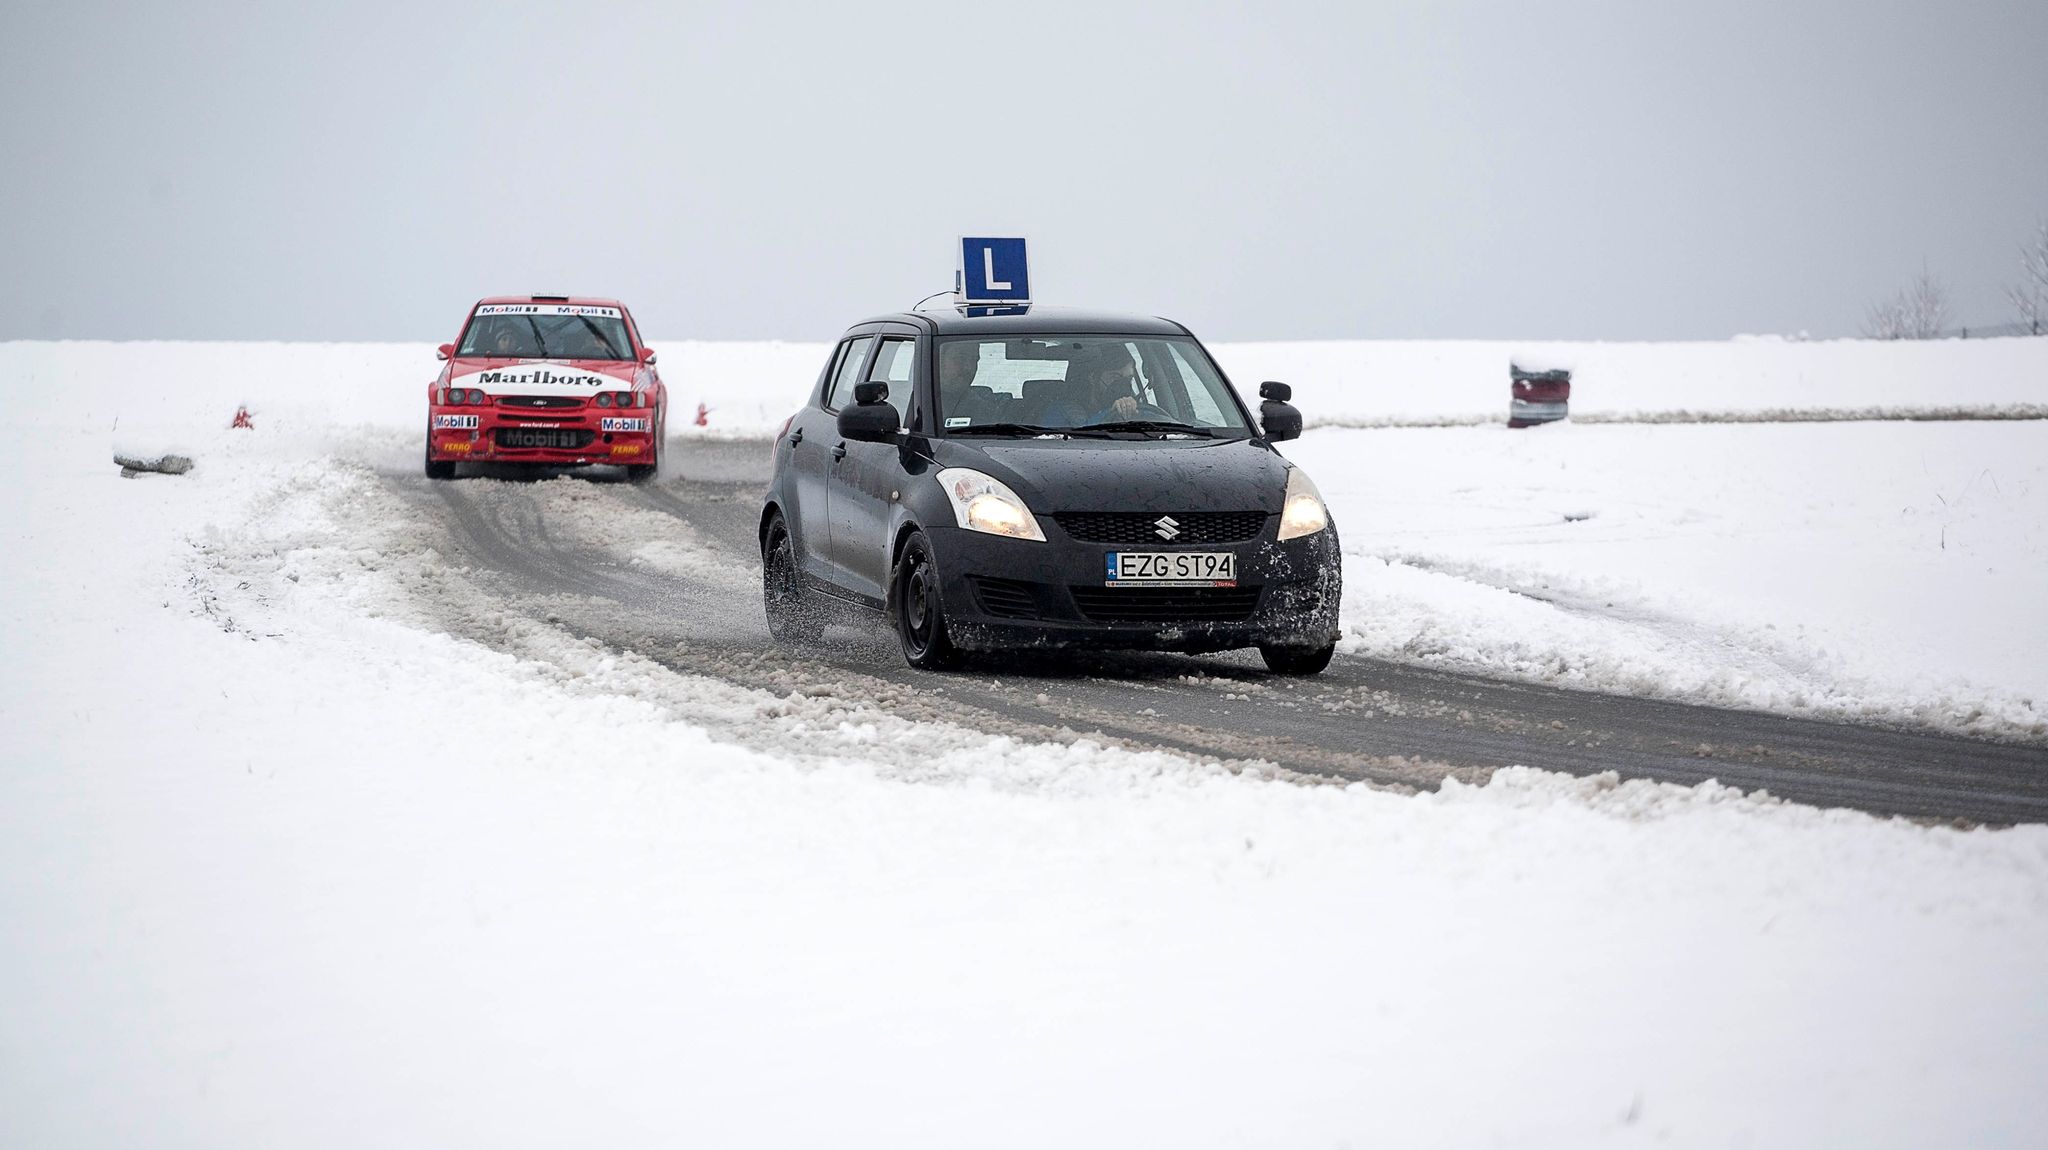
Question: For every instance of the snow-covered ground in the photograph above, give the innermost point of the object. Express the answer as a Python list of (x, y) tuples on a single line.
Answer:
[(281, 862), (1888, 571)]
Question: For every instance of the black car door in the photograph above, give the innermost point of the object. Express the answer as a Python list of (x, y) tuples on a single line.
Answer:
[(869, 476), (811, 441)]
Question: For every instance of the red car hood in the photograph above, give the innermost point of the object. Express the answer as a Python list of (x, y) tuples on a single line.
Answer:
[(542, 376)]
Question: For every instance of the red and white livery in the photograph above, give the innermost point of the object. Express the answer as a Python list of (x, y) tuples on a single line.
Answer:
[(547, 379)]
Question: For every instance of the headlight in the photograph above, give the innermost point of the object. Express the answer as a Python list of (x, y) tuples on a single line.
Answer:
[(983, 503), (604, 399), (1303, 512)]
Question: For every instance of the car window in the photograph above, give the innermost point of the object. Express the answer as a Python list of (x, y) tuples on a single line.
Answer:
[(895, 365), (1074, 381), (497, 331), (849, 372)]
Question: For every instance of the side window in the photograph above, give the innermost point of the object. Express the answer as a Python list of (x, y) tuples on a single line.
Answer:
[(849, 371), (896, 366)]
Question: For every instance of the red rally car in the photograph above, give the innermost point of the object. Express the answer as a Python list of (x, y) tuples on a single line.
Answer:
[(547, 379)]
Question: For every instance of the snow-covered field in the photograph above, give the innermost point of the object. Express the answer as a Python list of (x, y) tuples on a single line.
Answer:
[(281, 862)]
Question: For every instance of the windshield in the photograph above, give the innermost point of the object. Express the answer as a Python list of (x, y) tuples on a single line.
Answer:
[(1033, 384), (546, 331)]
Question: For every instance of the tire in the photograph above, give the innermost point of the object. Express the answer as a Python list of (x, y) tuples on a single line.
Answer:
[(791, 620), (444, 469), (1297, 660), (916, 608), (641, 472)]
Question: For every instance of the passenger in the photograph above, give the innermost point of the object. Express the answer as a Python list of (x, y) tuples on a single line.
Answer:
[(959, 362)]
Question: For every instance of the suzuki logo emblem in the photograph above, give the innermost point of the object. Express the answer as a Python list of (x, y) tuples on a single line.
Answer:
[(1166, 526)]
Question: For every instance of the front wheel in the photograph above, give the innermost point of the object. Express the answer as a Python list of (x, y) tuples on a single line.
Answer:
[(1297, 660), (790, 619), (915, 605), (439, 469), (641, 472)]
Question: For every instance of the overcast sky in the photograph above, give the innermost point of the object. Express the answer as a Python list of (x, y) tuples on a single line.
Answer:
[(1261, 171)]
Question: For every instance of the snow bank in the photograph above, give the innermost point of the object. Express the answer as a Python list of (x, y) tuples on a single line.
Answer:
[(1887, 571)]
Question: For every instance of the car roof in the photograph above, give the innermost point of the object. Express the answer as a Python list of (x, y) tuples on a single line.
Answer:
[(1033, 320), (573, 300)]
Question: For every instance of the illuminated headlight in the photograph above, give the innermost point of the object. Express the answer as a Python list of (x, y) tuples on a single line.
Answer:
[(1303, 513), (983, 503)]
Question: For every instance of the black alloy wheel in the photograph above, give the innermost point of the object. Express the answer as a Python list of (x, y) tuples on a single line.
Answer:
[(915, 605), (1297, 660), (790, 619)]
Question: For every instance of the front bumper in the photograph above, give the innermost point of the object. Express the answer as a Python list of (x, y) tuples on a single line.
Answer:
[(1005, 594), (500, 435)]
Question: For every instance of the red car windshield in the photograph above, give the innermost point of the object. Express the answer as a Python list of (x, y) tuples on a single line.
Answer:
[(529, 335)]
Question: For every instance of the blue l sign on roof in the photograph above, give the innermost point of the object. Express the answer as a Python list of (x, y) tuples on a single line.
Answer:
[(993, 270)]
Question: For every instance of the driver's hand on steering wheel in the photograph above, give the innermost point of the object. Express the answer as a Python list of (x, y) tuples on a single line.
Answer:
[(1125, 407)]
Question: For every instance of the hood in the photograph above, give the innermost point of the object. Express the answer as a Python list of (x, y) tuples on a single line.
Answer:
[(574, 377), (1061, 475)]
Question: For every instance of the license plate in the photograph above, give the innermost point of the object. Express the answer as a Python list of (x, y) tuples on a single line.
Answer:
[(1172, 568), (558, 438)]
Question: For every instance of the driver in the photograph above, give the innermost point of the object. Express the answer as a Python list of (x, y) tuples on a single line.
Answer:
[(505, 341), (1111, 375)]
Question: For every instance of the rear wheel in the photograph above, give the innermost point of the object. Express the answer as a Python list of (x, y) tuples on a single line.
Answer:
[(1297, 660), (439, 469), (915, 605), (790, 619)]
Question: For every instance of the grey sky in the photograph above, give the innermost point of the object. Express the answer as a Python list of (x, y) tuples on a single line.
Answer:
[(1617, 171)]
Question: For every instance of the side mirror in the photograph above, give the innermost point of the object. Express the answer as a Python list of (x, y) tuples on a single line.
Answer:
[(869, 422), (444, 351), (1275, 391), (1280, 419), (646, 355)]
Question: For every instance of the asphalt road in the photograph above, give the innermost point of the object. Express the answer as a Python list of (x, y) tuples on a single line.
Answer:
[(1363, 719)]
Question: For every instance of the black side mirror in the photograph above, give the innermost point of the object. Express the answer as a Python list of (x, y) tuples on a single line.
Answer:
[(870, 419), (1281, 420), (1275, 391)]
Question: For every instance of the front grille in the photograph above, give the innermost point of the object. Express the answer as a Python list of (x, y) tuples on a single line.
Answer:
[(1006, 598), (557, 438), (1144, 527), (1167, 604), (543, 402)]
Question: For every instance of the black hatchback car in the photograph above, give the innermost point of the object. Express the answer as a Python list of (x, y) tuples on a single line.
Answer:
[(1046, 478)]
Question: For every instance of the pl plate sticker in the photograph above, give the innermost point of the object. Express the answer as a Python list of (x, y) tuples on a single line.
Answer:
[(455, 422), (615, 423)]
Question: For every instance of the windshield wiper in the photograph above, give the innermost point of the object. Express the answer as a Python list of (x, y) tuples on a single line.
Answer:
[(1163, 426), (601, 338), (538, 338)]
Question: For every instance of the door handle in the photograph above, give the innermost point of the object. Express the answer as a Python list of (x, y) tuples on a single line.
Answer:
[(839, 453), (797, 438)]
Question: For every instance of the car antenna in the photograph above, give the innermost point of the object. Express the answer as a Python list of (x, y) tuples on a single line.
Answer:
[(952, 291)]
